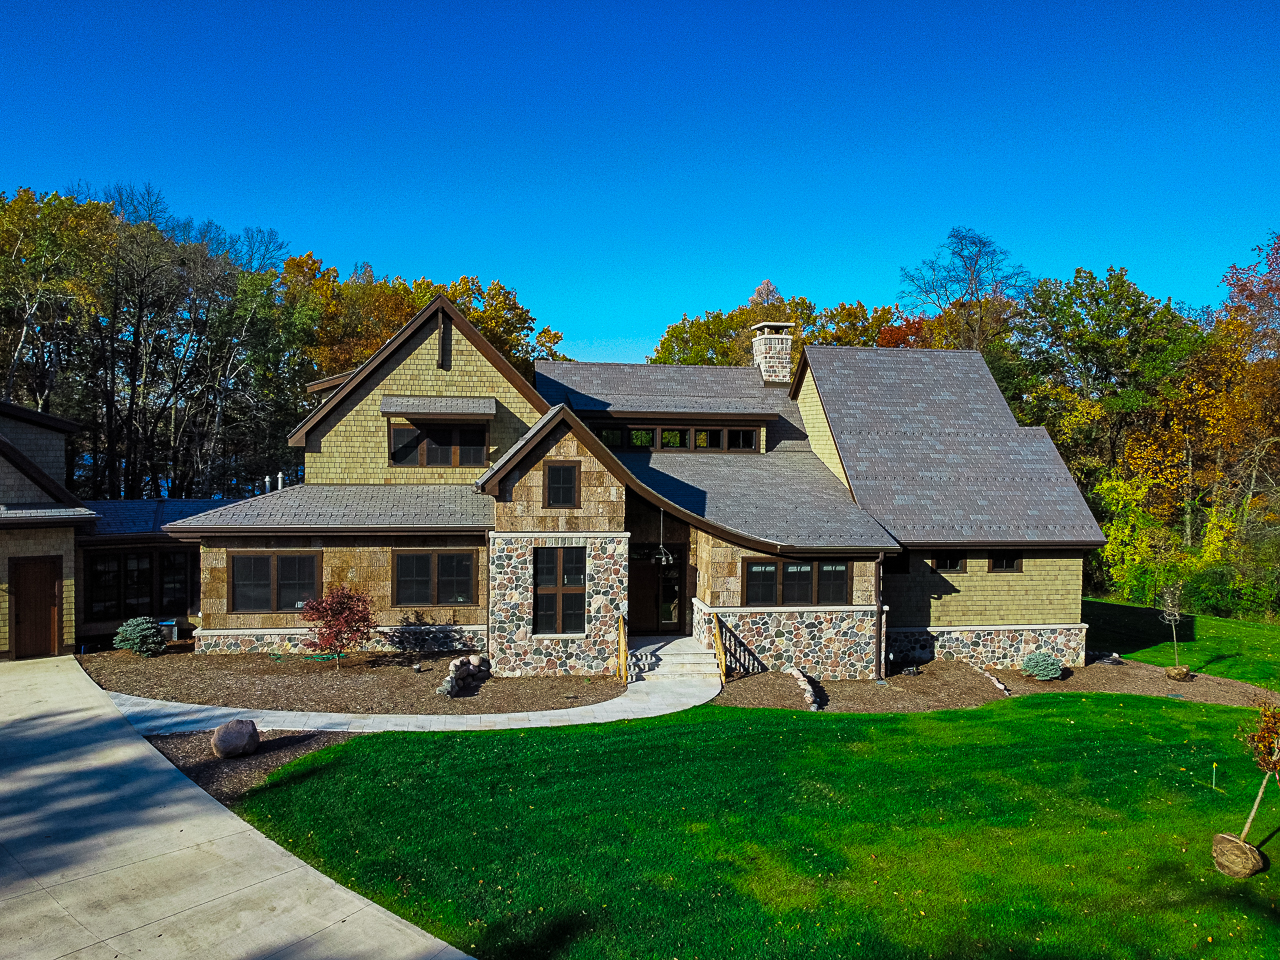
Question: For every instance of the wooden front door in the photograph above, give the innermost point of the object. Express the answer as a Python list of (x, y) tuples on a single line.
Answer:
[(36, 620), (656, 592)]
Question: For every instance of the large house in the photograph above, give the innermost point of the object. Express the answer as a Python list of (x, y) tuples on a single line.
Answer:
[(880, 505)]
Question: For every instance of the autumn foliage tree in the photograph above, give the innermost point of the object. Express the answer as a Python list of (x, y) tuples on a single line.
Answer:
[(343, 621)]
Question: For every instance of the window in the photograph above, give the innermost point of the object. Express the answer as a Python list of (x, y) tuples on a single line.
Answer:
[(708, 439), (1005, 561), (782, 583), (643, 438), (269, 583), (560, 485), (439, 446), (897, 564), (742, 439), (675, 439), (612, 436), (949, 561), (833, 582), (150, 583), (560, 590), (663, 437), (453, 583)]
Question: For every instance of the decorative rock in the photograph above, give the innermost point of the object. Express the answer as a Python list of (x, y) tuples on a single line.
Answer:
[(235, 738), (1181, 674), (1235, 857)]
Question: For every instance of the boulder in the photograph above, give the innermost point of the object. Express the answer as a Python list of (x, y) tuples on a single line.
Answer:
[(1181, 674), (476, 659), (1235, 857), (235, 738)]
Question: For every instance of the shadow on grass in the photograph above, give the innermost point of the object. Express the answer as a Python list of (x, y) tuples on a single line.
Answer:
[(1124, 629), (550, 939)]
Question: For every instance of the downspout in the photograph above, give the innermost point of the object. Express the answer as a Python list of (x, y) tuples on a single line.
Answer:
[(879, 655)]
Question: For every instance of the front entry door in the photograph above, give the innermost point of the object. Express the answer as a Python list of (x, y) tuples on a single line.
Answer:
[(657, 590), (36, 617)]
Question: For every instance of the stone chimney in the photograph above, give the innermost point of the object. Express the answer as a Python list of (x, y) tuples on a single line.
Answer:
[(771, 351)]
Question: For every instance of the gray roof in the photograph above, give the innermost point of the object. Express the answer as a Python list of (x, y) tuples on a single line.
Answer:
[(657, 388), (785, 497), (123, 518), (934, 453), (486, 407), (517, 449), (394, 507), (58, 513)]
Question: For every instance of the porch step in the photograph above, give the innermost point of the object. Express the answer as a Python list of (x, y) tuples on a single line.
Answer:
[(675, 659)]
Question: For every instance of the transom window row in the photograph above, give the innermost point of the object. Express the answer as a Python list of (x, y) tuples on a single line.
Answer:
[(700, 439), (778, 583)]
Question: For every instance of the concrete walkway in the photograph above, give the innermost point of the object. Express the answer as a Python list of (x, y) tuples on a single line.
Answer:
[(655, 695), (107, 851)]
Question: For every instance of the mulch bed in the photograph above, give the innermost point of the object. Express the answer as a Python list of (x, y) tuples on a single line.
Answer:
[(227, 781), (365, 683), (951, 684)]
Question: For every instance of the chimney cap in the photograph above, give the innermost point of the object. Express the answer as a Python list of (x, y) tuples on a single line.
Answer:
[(773, 327)]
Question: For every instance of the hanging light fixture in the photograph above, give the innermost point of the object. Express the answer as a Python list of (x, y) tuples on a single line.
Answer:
[(663, 557)]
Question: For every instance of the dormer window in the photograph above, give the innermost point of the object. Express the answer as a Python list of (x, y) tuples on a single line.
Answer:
[(439, 445), (679, 438)]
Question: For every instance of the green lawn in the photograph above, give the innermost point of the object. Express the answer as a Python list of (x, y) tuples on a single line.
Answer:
[(1056, 826), (1237, 649)]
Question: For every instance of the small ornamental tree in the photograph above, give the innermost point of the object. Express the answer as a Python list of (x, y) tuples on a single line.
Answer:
[(1264, 744), (343, 621)]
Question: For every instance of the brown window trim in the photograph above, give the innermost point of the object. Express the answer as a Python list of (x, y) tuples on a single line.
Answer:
[(157, 581), (559, 590), (657, 429), (577, 483), (1017, 564), (422, 447), (964, 561), (849, 562), (435, 577), (275, 584)]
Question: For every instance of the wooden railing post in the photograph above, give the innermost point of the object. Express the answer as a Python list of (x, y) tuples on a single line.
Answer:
[(623, 653), (715, 632)]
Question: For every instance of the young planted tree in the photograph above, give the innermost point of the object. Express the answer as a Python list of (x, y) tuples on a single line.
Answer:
[(1233, 855), (343, 622), (1172, 615)]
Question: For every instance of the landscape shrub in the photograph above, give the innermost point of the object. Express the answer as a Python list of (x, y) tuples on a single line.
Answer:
[(142, 635), (1042, 666), (344, 620)]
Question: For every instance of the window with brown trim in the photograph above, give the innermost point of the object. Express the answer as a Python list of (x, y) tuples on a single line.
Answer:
[(679, 437), (950, 561), (141, 583), (438, 446), (562, 484), (779, 582), (430, 578), (1004, 561), (273, 582), (560, 590)]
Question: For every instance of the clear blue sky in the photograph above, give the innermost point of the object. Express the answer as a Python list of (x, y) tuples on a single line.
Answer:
[(620, 166)]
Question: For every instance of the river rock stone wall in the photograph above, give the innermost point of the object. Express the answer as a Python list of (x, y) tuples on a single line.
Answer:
[(998, 647), (834, 644), (515, 650), (412, 639)]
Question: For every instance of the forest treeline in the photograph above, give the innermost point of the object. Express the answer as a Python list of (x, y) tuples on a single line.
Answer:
[(1167, 416), (184, 350)]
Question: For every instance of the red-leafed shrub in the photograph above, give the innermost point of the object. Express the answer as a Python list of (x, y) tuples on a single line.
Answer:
[(343, 621)]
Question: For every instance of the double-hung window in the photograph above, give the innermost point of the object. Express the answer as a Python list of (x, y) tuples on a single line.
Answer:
[(435, 578), (560, 590), (273, 582)]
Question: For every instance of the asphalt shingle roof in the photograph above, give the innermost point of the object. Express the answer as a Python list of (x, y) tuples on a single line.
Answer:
[(43, 511), (308, 506), (786, 497), (656, 388), (934, 453), (118, 518), (440, 406)]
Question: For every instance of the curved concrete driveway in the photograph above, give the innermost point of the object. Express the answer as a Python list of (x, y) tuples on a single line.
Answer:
[(107, 851)]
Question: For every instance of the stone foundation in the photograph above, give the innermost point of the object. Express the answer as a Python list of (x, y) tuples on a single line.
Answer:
[(514, 648), (999, 647), (412, 639), (826, 644)]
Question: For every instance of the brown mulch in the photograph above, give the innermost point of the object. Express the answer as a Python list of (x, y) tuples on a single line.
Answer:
[(952, 684), (365, 683), (227, 781)]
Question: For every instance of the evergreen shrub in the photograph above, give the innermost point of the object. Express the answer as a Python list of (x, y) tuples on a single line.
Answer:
[(142, 635), (1042, 666)]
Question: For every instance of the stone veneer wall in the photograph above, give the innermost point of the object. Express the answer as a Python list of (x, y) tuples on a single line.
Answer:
[(835, 643), (603, 499), (996, 646), (771, 354), (412, 639), (37, 542), (514, 649), (351, 444)]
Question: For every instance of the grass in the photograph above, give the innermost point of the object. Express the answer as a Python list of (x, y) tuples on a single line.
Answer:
[(1056, 826), (1238, 649)]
